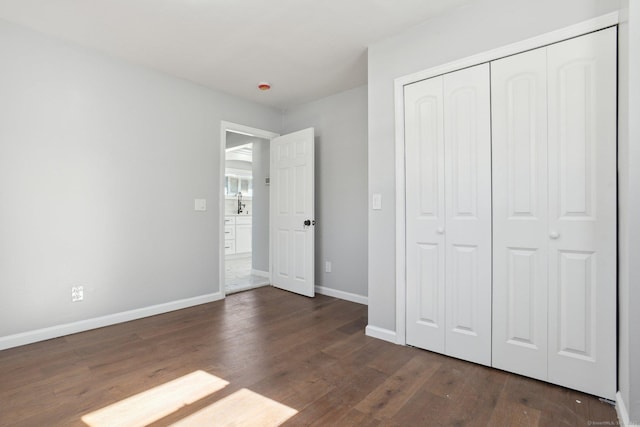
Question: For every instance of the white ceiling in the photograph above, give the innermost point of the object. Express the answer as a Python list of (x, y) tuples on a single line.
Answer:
[(306, 49)]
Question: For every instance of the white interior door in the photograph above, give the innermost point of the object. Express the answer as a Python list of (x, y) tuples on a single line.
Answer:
[(448, 208), (425, 211), (292, 212), (467, 142), (520, 219), (582, 213)]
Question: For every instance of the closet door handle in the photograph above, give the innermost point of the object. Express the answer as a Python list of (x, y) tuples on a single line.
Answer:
[(440, 230), (554, 235)]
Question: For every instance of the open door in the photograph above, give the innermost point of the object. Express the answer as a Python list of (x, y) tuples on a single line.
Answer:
[(292, 212)]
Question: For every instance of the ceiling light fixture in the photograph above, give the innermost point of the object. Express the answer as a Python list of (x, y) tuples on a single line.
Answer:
[(264, 86)]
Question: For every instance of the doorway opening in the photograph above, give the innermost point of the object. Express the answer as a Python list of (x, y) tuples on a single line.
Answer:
[(245, 256)]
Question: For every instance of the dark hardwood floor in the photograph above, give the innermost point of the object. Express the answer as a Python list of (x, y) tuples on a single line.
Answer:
[(261, 358)]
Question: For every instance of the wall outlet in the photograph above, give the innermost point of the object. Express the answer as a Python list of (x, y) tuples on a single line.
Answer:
[(77, 293), (200, 204), (327, 267)]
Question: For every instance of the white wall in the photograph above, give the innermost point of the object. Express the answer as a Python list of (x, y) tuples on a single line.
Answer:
[(482, 25), (340, 123), (100, 162), (260, 221), (629, 209)]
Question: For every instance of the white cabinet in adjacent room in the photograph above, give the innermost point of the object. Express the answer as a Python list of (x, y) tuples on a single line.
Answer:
[(237, 234), (243, 234), (229, 235)]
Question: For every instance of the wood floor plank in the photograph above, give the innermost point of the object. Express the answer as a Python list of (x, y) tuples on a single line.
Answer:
[(449, 380), (425, 409), (345, 347), (301, 361), (508, 414), (388, 359), (357, 418), (354, 326), (386, 400), (473, 406)]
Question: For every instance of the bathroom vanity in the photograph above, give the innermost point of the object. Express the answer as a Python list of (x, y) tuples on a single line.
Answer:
[(237, 234)]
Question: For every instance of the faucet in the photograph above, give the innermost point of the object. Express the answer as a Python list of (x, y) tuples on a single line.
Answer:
[(240, 204)]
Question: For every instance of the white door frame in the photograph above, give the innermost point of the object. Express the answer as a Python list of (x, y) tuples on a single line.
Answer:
[(576, 30), (259, 133)]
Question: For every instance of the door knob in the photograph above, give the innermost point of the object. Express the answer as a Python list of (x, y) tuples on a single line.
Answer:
[(307, 222), (440, 230), (554, 234)]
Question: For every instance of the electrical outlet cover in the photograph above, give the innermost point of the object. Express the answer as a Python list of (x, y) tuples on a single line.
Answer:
[(77, 293)]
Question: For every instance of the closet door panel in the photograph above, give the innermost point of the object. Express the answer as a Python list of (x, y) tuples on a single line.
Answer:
[(425, 211), (582, 213), (520, 223), (467, 143)]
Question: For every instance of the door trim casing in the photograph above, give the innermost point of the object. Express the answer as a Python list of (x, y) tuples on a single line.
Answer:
[(556, 36), (259, 133)]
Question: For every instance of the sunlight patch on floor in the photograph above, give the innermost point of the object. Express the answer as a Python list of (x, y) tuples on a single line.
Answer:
[(154, 404), (242, 408)]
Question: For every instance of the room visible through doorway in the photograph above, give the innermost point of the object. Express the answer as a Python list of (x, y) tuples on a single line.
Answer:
[(246, 212)]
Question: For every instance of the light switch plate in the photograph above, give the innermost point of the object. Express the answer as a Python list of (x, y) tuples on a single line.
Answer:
[(376, 202), (200, 205)]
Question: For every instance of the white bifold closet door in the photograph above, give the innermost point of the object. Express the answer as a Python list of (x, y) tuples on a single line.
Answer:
[(448, 205), (520, 213), (554, 212)]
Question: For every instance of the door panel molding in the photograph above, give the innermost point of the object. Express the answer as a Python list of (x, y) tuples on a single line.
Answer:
[(292, 204), (520, 213)]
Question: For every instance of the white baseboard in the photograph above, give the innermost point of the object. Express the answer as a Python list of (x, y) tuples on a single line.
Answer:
[(380, 333), (623, 415), (260, 273), (360, 299), (99, 322)]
